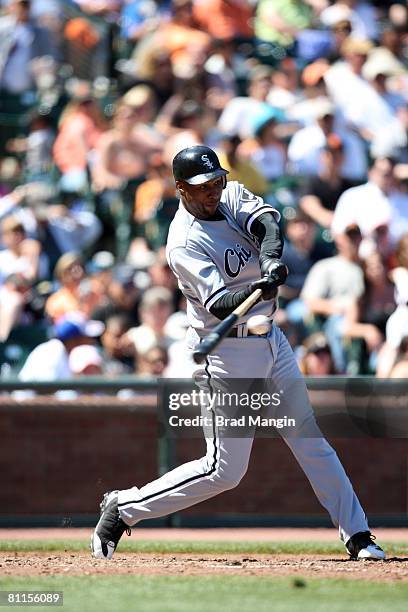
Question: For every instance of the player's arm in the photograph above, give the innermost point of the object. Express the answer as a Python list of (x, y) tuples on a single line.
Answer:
[(228, 302), (274, 272), (198, 274), (266, 229), (259, 220)]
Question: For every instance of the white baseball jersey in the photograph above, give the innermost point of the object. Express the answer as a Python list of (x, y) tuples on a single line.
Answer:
[(212, 257)]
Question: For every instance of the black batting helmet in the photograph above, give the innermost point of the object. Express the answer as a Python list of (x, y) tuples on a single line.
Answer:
[(196, 165)]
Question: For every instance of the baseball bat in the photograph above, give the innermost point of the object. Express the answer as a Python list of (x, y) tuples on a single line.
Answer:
[(209, 343)]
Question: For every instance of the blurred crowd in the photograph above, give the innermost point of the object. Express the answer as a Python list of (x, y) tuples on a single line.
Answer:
[(305, 102)]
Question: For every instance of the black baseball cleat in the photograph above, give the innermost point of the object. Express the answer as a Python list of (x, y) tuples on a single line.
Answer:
[(362, 546), (109, 529)]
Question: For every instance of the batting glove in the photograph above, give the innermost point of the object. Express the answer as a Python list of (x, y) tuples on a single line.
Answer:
[(268, 286), (275, 270)]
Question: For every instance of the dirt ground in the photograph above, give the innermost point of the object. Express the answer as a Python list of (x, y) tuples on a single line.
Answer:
[(81, 564), (78, 564)]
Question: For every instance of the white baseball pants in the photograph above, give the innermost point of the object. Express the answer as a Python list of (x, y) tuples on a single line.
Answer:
[(226, 459)]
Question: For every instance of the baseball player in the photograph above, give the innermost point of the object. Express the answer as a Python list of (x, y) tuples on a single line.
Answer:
[(223, 243)]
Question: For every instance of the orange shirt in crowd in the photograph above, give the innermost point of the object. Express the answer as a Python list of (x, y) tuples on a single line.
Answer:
[(77, 136), (224, 19), (182, 41)]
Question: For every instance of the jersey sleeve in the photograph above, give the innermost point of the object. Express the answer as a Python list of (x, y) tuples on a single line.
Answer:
[(198, 276), (246, 206)]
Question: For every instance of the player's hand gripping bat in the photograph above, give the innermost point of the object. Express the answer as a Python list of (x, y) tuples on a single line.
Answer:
[(208, 343)]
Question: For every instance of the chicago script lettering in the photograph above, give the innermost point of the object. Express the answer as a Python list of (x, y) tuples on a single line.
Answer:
[(236, 259)]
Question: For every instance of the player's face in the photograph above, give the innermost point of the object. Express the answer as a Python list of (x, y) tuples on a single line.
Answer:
[(202, 200)]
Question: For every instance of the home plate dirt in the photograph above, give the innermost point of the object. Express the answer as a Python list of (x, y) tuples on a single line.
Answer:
[(80, 564)]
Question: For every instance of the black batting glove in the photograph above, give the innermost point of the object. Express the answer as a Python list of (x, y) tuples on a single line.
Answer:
[(268, 286), (274, 269)]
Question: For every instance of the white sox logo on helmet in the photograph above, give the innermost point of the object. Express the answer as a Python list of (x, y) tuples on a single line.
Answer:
[(207, 162)]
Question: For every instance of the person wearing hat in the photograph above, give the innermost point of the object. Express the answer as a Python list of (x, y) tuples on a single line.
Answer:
[(50, 360), (225, 242), (85, 360), (266, 150)]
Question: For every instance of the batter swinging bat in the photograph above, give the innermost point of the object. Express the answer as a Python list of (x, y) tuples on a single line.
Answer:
[(221, 330)]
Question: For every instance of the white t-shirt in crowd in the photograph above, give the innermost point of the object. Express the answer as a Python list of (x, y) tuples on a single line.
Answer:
[(48, 361), (368, 207), (306, 145)]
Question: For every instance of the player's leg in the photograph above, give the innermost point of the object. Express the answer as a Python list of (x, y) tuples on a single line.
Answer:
[(222, 468), (317, 458)]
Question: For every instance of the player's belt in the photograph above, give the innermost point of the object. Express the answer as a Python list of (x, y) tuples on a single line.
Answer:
[(243, 332)]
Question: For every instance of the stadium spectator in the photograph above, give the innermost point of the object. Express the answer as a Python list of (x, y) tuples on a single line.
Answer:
[(181, 38), (84, 360), (240, 112), (14, 295), (69, 271), (152, 362), (240, 169), (278, 24), (360, 15), (37, 147), (120, 154), (156, 203), (306, 144), (117, 350), (400, 369), (50, 360), (20, 255), (300, 105), (316, 358), (331, 288), (122, 295), (139, 18), (266, 150), (301, 250), (360, 103), (320, 193), (397, 324), (21, 40), (155, 308), (225, 19), (80, 128), (366, 318), (378, 202)]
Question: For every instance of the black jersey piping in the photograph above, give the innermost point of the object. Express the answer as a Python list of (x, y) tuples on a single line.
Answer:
[(192, 478), (213, 295), (257, 211)]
